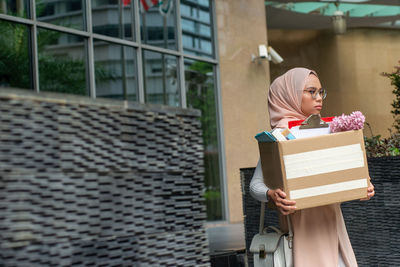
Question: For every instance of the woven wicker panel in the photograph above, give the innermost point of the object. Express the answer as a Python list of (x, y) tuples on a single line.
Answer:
[(251, 211), (91, 185), (372, 225)]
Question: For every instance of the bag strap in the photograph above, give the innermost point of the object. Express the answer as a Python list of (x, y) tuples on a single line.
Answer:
[(290, 234), (261, 226), (262, 213)]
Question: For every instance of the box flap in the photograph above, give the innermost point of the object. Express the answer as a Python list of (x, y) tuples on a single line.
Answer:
[(271, 164), (322, 142)]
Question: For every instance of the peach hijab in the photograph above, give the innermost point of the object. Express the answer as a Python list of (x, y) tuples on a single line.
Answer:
[(284, 97)]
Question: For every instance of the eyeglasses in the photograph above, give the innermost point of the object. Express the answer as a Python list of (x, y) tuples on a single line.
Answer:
[(314, 92)]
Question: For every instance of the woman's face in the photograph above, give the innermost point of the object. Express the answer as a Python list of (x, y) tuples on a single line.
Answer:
[(309, 105)]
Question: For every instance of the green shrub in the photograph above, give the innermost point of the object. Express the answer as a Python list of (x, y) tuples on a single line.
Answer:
[(395, 81), (376, 146)]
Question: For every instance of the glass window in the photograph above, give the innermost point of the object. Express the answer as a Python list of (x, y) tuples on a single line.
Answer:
[(115, 70), (205, 45), (187, 40), (188, 25), (14, 55), (113, 19), (17, 8), (158, 28), (205, 3), (204, 16), (67, 13), (161, 79), (200, 94), (205, 30), (186, 10), (196, 25), (97, 3), (62, 65)]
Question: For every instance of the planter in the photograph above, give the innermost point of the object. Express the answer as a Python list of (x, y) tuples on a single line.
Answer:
[(373, 226)]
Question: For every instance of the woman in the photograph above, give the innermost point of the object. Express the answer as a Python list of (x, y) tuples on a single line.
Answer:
[(320, 236)]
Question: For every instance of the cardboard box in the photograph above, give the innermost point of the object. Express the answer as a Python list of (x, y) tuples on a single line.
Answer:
[(319, 170)]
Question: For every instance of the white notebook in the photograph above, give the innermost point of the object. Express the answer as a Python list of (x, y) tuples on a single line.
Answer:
[(309, 132)]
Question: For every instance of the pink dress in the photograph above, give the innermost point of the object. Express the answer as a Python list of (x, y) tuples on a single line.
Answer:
[(319, 234)]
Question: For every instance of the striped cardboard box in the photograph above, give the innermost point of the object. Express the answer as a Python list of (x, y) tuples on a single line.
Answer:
[(319, 170)]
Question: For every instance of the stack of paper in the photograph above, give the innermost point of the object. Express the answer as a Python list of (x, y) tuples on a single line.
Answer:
[(303, 133)]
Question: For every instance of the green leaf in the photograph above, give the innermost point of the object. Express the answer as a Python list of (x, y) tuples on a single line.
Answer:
[(394, 151)]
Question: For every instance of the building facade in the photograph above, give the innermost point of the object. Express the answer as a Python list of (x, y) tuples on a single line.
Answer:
[(180, 53)]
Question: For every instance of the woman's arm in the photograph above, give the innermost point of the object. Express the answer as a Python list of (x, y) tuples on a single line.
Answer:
[(258, 189), (261, 192), (370, 192)]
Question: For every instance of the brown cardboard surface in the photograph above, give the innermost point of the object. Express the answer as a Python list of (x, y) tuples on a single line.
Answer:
[(332, 177), (327, 199), (275, 175), (271, 165), (365, 158)]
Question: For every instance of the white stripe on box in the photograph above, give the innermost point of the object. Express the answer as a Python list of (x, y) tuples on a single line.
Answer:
[(327, 189), (323, 161)]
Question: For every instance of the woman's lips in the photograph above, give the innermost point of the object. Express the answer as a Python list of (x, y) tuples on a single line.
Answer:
[(318, 107)]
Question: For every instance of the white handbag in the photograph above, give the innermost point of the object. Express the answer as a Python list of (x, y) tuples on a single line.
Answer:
[(271, 247)]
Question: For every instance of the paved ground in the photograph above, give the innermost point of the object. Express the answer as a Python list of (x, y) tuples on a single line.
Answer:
[(222, 237)]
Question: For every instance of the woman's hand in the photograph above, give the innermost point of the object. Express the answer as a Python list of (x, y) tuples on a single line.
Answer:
[(279, 197), (370, 192)]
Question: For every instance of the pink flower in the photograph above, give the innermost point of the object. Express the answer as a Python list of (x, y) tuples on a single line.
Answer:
[(354, 121)]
